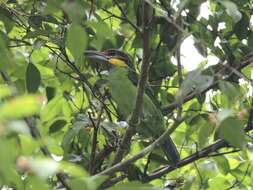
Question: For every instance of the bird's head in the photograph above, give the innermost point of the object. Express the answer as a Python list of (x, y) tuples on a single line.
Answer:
[(112, 57)]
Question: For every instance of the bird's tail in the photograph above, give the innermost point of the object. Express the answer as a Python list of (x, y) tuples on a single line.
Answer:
[(171, 152)]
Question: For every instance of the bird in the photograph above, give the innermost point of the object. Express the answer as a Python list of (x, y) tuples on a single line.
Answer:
[(109, 58), (123, 91)]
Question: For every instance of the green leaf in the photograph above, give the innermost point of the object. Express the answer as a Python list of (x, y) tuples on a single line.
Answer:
[(135, 186), (101, 28), (34, 182), (27, 143), (32, 78), (208, 170), (75, 10), (53, 6), (8, 148), (241, 28), (222, 163), (21, 106), (231, 129), (50, 92), (57, 125), (167, 28), (52, 109), (201, 47), (68, 137), (76, 40), (224, 114), (189, 183), (89, 183), (5, 91), (50, 167), (239, 171), (250, 40), (218, 181), (72, 169), (205, 132), (6, 18), (231, 90), (232, 10), (196, 82), (5, 54)]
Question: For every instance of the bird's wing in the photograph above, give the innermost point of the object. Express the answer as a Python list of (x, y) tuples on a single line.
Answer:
[(123, 92)]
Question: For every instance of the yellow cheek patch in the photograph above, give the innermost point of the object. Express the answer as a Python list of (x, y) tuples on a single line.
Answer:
[(117, 62)]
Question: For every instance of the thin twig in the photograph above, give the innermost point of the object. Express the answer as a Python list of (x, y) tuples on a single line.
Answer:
[(94, 140), (123, 19), (147, 164), (223, 153), (146, 150), (238, 73), (180, 76), (200, 176), (102, 155), (164, 15)]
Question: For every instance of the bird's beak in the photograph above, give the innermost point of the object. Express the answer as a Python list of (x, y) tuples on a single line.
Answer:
[(95, 55)]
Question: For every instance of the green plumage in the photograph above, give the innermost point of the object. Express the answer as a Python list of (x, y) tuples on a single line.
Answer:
[(123, 92)]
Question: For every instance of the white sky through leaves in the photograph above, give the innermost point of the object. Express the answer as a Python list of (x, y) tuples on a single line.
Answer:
[(189, 54)]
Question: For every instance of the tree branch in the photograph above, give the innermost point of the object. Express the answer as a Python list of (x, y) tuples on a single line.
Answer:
[(168, 109), (150, 148), (134, 119), (205, 152)]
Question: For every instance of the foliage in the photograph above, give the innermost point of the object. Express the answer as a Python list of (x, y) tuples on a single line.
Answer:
[(61, 127)]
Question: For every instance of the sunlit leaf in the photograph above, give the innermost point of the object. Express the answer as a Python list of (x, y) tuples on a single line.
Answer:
[(21, 106), (6, 18), (28, 145), (52, 109), (50, 167), (76, 40), (222, 163), (204, 133), (5, 91), (72, 169), (240, 171), (35, 182), (91, 183), (217, 182)]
